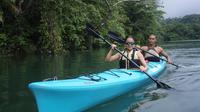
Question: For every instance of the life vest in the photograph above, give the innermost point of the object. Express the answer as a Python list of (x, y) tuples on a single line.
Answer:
[(125, 63), (150, 57)]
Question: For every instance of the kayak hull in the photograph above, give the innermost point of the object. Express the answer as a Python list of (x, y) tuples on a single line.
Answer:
[(75, 95)]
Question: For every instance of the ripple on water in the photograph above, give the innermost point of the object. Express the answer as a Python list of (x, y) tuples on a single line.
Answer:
[(175, 101), (149, 97), (186, 80)]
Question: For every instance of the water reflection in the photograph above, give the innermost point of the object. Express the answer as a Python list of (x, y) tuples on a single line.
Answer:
[(17, 71)]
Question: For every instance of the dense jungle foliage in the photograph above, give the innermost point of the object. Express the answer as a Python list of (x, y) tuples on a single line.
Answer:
[(58, 26), (183, 28)]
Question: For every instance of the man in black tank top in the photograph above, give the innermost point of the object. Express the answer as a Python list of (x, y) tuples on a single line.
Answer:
[(153, 48), (131, 53)]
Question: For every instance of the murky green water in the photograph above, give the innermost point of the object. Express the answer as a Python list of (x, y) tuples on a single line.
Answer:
[(17, 71)]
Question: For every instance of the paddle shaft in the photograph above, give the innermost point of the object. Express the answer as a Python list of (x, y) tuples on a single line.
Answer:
[(118, 39), (110, 14), (156, 81), (157, 56)]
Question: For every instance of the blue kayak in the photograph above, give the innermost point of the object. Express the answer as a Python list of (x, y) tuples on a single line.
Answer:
[(79, 94)]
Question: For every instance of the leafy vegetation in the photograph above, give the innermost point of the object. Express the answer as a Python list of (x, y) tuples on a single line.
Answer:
[(183, 28), (57, 26)]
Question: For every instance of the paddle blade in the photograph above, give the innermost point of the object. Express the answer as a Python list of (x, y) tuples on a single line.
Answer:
[(115, 37), (163, 85)]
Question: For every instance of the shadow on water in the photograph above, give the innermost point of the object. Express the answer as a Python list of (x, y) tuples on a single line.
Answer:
[(130, 101), (18, 71)]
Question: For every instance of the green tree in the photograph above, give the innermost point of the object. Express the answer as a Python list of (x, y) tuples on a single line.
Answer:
[(54, 26), (183, 28)]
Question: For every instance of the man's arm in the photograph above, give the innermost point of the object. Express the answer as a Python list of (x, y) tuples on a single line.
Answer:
[(163, 53)]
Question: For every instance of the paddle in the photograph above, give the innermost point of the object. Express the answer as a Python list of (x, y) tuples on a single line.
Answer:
[(118, 39), (159, 84)]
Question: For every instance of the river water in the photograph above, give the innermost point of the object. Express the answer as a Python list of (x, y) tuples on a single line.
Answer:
[(16, 72)]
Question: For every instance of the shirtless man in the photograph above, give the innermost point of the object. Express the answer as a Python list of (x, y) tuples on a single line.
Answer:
[(153, 48)]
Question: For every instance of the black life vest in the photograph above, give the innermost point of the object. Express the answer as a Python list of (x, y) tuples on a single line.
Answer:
[(150, 57), (124, 63)]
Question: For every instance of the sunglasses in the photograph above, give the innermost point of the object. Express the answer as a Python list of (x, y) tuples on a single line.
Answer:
[(130, 43)]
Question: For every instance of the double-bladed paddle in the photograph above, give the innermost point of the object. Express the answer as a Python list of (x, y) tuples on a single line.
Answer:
[(117, 38), (95, 34)]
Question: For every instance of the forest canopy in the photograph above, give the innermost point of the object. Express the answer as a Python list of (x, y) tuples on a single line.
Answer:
[(57, 26), (183, 28)]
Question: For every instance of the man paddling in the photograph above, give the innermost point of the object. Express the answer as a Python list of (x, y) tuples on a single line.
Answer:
[(154, 49), (131, 53)]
